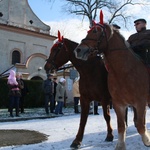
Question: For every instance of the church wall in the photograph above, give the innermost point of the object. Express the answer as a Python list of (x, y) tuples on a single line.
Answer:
[(27, 45), (22, 30)]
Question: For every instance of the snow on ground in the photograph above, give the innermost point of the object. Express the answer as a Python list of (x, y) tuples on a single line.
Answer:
[(62, 131)]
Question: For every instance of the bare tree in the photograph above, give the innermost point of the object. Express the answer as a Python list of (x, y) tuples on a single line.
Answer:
[(86, 8), (116, 8), (120, 10)]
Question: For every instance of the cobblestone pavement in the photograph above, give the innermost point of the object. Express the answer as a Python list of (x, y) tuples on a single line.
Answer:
[(34, 113)]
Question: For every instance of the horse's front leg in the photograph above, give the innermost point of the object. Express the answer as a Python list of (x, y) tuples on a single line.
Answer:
[(121, 112), (106, 114), (85, 105), (140, 125)]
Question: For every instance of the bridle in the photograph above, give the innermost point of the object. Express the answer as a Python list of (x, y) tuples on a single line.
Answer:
[(103, 36), (52, 61)]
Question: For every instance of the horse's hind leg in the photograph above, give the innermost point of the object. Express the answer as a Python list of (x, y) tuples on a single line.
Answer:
[(85, 105), (121, 112), (140, 125), (106, 113)]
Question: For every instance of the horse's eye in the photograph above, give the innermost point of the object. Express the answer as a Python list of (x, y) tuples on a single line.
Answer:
[(94, 31), (60, 44)]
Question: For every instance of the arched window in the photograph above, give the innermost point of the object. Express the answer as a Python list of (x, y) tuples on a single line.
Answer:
[(36, 78), (15, 57)]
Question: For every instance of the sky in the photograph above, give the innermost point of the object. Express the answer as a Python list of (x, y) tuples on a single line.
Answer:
[(72, 26), (61, 132), (48, 11)]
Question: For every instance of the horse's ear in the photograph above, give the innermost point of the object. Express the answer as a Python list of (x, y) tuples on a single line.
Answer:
[(59, 36), (101, 17)]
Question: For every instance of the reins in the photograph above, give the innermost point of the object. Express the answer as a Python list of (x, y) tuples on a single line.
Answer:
[(52, 61), (99, 39)]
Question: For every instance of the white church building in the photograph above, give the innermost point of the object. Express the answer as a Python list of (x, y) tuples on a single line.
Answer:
[(25, 41)]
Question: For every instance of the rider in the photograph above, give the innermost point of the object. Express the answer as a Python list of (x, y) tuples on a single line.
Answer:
[(140, 41)]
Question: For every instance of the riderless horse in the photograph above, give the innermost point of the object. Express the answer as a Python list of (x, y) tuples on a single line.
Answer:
[(128, 79), (92, 83)]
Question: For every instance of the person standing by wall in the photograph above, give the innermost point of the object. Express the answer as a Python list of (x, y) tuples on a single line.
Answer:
[(60, 95), (21, 83), (54, 92), (48, 91), (96, 108), (76, 95), (24, 92), (14, 93)]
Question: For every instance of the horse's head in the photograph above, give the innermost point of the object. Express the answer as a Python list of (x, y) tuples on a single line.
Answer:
[(58, 56), (95, 42)]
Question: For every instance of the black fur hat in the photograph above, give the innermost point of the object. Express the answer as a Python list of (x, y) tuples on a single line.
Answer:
[(49, 75), (142, 20), (116, 26)]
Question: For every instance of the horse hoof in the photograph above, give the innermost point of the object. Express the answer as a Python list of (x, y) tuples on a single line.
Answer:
[(146, 138), (120, 146), (75, 146), (109, 139)]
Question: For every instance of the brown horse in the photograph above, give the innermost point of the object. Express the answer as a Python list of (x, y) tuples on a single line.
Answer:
[(128, 79), (92, 83)]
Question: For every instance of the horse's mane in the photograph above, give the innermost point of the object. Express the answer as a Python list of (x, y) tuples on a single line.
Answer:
[(116, 31), (58, 43), (70, 41)]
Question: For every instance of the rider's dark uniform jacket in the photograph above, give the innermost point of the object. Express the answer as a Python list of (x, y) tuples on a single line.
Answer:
[(140, 43)]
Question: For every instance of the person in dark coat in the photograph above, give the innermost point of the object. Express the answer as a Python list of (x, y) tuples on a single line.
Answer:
[(48, 91), (24, 92), (54, 92), (76, 95), (140, 41)]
